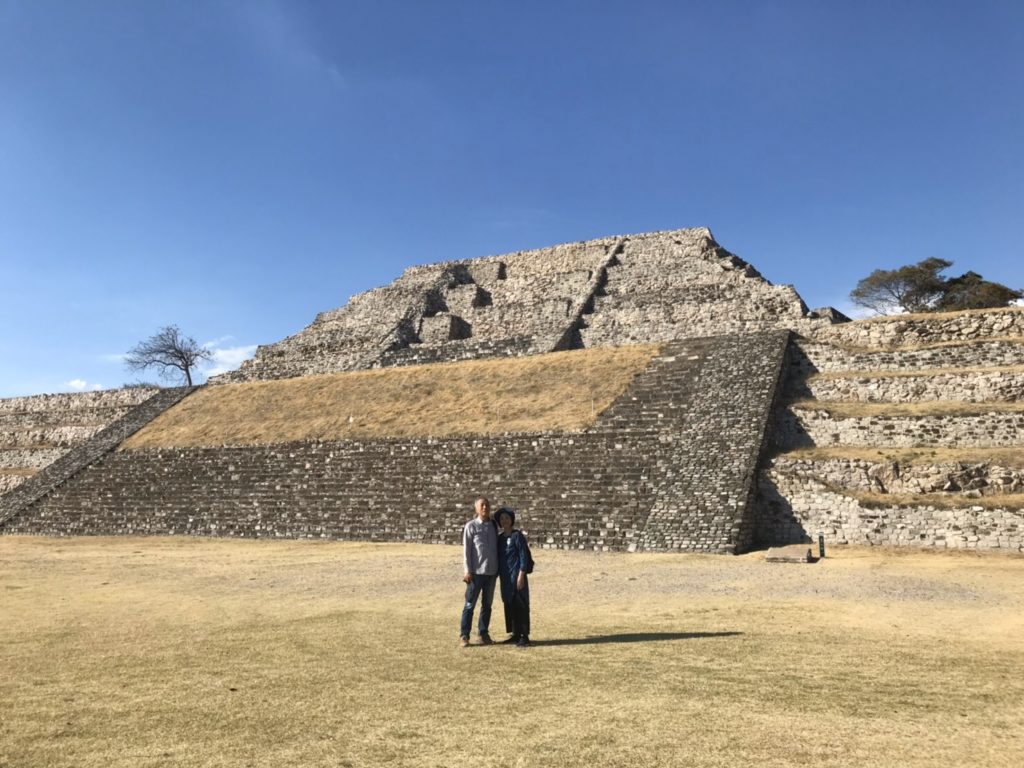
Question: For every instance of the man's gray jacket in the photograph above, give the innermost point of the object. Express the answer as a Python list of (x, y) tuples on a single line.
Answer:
[(480, 547)]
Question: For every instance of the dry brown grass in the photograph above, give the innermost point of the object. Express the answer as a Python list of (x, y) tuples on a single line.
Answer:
[(917, 373), (19, 471), (849, 409), (559, 391), (1004, 457), (132, 652)]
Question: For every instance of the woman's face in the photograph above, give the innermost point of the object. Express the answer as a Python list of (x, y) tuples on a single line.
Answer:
[(505, 521)]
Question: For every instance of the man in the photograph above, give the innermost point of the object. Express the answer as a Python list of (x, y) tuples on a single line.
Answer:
[(480, 564)]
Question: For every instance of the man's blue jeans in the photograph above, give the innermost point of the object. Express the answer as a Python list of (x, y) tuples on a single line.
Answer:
[(480, 585)]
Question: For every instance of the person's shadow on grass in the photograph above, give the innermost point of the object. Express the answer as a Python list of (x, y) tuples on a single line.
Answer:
[(632, 637)]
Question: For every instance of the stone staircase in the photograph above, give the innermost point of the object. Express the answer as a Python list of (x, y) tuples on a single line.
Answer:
[(919, 444)]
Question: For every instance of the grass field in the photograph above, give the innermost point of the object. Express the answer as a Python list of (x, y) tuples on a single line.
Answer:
[(135, 652), (557, 391)]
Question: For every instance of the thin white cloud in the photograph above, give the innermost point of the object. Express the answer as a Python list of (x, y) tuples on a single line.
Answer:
[(225, 358), (80, 385), (281, 33), (854, 311)]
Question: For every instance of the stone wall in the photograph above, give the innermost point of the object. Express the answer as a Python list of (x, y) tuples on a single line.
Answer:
[(915, 330), (818, 427), (678, 284), (970, 386), (968, 479), (671, 465), (36, 431), (811, 357)]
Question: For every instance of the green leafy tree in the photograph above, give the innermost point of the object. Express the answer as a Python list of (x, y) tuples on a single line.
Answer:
[(972, 291), (921, 288), (913, 288)]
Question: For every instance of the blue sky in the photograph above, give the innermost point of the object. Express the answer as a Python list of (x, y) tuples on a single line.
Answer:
[(237, 167)]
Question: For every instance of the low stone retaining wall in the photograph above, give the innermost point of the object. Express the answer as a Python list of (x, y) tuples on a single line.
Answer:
[(77, 401), (59, 437), (800, 428), (971, 480), (29, 458), (810, 357), (913, 330), (9, 482), (794, 509), (963, 386)]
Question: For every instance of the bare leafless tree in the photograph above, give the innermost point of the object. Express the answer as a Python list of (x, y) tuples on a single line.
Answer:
[(167, 351)]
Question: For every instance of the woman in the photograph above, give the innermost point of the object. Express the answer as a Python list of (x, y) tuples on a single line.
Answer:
[(513, 564)]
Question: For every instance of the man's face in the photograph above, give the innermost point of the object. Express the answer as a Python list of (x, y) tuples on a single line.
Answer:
[(483, 509)]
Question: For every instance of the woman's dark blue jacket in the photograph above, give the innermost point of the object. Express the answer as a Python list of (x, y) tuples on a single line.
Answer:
[(511, 560)]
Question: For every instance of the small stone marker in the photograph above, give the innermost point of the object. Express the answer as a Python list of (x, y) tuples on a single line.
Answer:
[(793, 553)]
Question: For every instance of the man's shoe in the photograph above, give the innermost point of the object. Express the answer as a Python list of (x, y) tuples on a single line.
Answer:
[(513, 639), (523, 642), (486, 640), (463, 642)]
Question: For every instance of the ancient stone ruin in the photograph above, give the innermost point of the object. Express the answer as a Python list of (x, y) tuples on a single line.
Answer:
[(756, 422)]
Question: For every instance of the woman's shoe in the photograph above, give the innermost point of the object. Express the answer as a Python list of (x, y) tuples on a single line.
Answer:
[(513, 639), (523, 642)]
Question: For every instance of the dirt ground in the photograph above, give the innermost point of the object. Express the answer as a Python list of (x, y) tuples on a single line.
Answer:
[(201, 652)]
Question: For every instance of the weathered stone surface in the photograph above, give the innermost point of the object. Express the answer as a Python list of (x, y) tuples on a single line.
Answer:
[(818, 427), (978, 386), (659, 286)]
